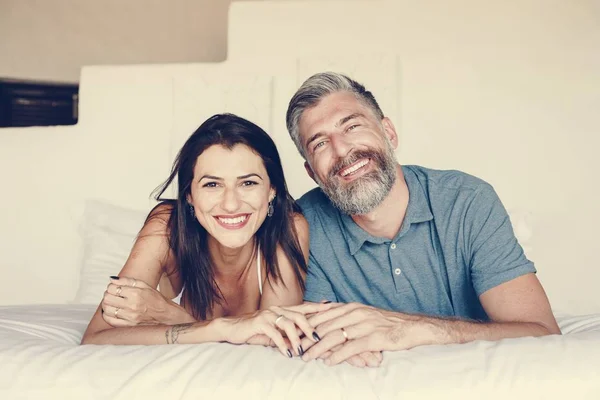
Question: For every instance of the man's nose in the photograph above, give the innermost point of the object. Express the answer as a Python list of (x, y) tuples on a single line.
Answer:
[(341, 146)]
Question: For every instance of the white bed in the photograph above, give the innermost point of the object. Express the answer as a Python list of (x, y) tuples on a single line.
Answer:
[(40, 358), (465, 90)]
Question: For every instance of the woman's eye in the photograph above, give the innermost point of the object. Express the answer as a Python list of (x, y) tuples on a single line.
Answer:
[(249, 183), (210, 185)]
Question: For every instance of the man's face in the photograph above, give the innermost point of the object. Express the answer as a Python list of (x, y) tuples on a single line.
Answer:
[(349, 152)]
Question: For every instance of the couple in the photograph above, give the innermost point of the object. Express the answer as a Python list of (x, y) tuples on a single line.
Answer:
[(399, 256)]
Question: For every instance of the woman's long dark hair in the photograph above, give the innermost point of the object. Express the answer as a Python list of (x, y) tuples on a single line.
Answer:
[(189, 240)]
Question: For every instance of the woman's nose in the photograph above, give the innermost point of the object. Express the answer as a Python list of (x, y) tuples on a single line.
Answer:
[(231, 200)]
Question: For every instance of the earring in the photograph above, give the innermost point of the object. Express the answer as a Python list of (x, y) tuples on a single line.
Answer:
[(192, 210), (271, 209)]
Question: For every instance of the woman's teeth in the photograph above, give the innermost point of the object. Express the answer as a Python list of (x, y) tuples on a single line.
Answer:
[(233, 221)]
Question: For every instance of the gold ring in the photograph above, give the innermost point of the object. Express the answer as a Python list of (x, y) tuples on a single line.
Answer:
[(344, 333), (116, 312), (134, 282), (277, 320), (119, 288)]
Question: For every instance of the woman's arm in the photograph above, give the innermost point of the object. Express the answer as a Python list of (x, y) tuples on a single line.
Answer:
[(150, 257), (140, 304)]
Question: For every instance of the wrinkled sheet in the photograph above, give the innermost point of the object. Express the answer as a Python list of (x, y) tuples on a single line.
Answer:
[(40, 358)]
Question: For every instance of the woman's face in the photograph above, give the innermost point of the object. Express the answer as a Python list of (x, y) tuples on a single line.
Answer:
[(230, 193)]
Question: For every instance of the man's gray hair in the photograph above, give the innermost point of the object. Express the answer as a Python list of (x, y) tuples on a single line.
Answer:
[(316, 88)]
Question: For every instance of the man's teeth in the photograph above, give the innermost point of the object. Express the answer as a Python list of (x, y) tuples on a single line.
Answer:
[(354, 168), (233, 221)]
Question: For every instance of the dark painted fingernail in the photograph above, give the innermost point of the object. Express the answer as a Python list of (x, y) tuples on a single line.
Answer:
[(114, 277), (316, 336), (300, 350), (289, 353), (327, 302)]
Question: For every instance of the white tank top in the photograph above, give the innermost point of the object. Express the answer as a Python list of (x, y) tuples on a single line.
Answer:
[(258, 271)]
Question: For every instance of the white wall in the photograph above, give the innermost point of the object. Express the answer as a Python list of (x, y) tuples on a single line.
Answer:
[(53, 39), (506, 91)]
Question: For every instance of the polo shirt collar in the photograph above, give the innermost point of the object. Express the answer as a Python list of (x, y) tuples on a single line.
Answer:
[(418, 210)]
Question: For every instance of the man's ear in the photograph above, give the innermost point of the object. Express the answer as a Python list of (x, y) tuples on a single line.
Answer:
[(309, 171), (390, 131)]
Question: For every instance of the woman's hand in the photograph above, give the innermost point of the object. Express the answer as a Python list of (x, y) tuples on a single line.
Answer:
[(281, 326), (131, 302)]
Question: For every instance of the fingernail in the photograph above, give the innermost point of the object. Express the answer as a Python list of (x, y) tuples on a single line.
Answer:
[(300, 350), (289, 353), (114, 277), (327, 302), (316, 336)]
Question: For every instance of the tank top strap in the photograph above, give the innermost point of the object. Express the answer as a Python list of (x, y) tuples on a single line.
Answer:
[(258, 270)]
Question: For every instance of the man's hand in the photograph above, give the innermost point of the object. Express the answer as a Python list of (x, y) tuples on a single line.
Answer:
[(364, 359), (130, 302), (351, 330)]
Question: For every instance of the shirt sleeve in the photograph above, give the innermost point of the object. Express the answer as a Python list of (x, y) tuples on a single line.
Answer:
[(495, 256), (318, 286)]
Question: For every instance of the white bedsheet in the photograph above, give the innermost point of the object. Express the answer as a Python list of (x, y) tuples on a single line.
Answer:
[(40, 358)]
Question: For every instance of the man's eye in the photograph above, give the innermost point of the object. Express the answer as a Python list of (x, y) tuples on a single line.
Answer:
[(352, 127), (322, 143)]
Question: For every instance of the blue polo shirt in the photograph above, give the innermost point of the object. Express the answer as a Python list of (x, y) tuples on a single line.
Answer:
[(455, 243)]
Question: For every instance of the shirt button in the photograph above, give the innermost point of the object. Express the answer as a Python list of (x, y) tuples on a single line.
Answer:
[(393, 246), (397, 271)]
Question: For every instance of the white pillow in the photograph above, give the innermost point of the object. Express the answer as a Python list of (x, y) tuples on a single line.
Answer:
[(108, 233), (522, 224)]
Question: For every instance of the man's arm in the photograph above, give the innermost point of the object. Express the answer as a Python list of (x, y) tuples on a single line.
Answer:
[(318, 287), (370, 329), (508, 289)]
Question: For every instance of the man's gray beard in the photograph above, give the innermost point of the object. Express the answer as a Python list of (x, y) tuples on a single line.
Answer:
[(368, 191)]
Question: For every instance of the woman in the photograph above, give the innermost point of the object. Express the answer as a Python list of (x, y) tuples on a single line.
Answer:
[(233, 241)]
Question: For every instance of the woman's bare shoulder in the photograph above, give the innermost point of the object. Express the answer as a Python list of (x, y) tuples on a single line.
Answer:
[(301, 224), (153, 238), (157, 221)]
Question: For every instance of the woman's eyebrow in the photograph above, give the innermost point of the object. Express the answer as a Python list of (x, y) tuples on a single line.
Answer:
[(239, 177), (249, 175), (210, 177)]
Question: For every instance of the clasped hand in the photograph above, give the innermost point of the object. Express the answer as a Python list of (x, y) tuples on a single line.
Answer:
[(357, 334)]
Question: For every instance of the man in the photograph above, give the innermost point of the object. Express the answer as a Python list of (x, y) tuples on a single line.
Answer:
[(420, 256)]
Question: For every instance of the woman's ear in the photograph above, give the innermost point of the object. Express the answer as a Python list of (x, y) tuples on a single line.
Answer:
[(272, 194)]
